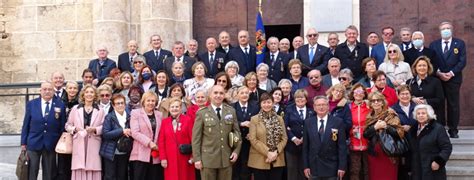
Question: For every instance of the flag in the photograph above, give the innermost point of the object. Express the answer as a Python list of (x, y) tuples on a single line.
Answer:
[(261, 42)]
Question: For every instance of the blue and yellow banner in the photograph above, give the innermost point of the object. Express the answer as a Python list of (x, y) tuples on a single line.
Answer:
[(261, 42)]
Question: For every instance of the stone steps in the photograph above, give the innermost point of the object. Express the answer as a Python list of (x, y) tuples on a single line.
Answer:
[(460, 165)]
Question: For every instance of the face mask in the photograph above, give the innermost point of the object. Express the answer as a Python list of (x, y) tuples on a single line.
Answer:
[(418, 43), (446, 33), (146, 76)]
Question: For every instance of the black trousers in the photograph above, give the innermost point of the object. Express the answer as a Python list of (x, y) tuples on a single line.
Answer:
[(64, 166), (48, 164), (240, 170), (147, 171), (451, 93), (116, 169), (274, 173)]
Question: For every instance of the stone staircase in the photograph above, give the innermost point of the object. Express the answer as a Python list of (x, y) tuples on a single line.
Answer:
[(460, 165)]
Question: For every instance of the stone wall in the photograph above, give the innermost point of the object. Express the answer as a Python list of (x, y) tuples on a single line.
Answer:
[(60, 35)]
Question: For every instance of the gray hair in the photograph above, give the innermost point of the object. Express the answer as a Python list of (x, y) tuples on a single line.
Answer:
[(321, 97), (429, 110), (334, 59), (263, 65), (418, 32), (140, 58), (177, 63), (347, 71), (405, 29), (283, 81), (232, 64)]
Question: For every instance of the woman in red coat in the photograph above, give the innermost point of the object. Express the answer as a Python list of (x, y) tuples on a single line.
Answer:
[(176, 131)]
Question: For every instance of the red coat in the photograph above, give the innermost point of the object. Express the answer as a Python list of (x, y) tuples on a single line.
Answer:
[(390, 95), (356, 135), (178, 166)]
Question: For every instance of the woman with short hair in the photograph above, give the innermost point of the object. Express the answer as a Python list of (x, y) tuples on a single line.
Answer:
[(264, 82), (199, 81), (232, 70)]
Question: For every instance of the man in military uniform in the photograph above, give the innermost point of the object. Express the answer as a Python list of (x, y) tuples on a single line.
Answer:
[(211, 149)]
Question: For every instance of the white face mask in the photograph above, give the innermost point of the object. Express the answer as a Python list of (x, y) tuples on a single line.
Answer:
[(446, 33)]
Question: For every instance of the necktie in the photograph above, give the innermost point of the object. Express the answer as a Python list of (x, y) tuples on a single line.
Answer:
[(446, 47), (321, 129), (272, 59), (178, 60), (211, 61), (46, 110), (218, 113), (226, 50), (157, 55), (57, 94), (301, 114), (244, 110), (246, 51), (311, 55)]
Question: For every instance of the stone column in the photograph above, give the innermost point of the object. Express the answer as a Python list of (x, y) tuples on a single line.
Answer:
[(111, 24), (171, 19)]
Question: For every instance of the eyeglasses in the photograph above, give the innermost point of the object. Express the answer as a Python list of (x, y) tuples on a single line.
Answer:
[(105, 95), (376, 100), (342, 79), (222, 81), (392, 51), (312, 35), (138, 62), (119, 103), (313, 77), (359, 91)]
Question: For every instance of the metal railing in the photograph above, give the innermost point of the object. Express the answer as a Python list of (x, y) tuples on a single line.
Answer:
[(27, 86)]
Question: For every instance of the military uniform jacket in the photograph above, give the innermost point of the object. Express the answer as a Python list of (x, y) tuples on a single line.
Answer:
[(210, 141)]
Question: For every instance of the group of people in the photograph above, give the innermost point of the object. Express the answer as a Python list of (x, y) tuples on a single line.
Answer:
[(316, 112)]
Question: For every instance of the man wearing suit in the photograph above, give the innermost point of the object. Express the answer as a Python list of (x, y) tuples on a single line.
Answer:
[(275, 60), (178, 51), (125, 60), (451, 53), (57, 79), (419, 50), (284, 45), (224, 41), (192, 49), (244, 54), (101, 66), (244, 109), (379, 50), (372, 40), (405, 36), (351, 53), (211, 149), (333, 41), (334, 66), (312, 55), (214, 60), (43, 124), (324, 145), (297, 42), (156, 56), (295, 115)]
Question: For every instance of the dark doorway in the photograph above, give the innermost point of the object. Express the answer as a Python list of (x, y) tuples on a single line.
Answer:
[(283, 31)]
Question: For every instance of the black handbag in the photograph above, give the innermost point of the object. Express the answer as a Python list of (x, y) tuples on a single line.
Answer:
[(125, 144), (393, 146), (185, 149)]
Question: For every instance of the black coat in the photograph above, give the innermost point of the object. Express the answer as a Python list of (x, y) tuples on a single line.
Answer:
[(432, 144), (352, 60), (432, 91), (252, 109)]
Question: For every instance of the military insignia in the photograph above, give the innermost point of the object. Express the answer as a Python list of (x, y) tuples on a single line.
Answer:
[(334, 134), (456, 50), (228, 117), (206, 115), (281, 66)]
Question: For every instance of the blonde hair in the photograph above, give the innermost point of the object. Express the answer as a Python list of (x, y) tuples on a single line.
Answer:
[(147, 95), (81, 94)]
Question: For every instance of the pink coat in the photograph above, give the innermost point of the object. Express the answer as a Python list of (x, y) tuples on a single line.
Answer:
[(143, 135), (82, 157)]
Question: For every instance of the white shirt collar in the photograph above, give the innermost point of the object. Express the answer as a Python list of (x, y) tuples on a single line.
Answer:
[(243, 48), (215, 107), (244, 105), (275, 54)]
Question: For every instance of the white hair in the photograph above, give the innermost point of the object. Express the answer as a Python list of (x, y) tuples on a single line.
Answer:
[(231, 64), (418, 32), (429, 110)]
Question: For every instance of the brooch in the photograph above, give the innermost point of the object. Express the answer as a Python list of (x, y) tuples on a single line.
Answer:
[(456, 51), (56, 112), (334, 134)]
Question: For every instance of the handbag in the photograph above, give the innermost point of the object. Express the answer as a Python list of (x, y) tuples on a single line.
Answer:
[(185, 149), (393, 146), (125, 144), (64, 145), (22, 166), (233, 139)]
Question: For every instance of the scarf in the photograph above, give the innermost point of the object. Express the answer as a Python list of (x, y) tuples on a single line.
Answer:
[(273, 127)]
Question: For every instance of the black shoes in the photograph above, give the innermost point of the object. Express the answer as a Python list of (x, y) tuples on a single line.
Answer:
[(453, 134)]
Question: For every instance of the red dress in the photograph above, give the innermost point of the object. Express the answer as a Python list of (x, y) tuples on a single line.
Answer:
[(178, 166), (381, 167)]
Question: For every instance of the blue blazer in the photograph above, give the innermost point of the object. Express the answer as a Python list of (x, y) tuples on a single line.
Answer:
[(101, 72), (156, 63), (216, 65), (40, 132), (277, 70), (252, 109), (294, 127), (404, 119), (246, 65), (124, 62), (324, 157), (378, 52), (454, 60), (327, 80), (319, 58), (111, 132)]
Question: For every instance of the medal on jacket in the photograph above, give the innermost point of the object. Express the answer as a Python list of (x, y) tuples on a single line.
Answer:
[(356, 53), (281, 66), (219, 62), (334, 134), (56, 112)]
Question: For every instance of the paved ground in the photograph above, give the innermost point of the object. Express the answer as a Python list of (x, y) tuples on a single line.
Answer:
[(10, 149)]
